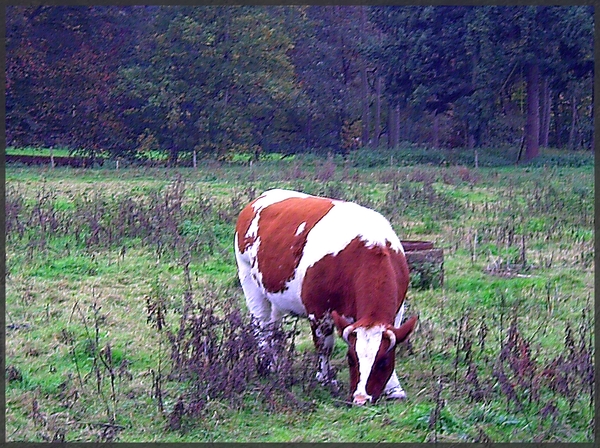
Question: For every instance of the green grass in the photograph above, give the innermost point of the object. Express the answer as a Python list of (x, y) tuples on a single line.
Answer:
[(31, 151), (70, 300)]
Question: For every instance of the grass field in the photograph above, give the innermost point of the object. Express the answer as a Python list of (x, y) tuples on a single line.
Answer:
[(126, 322)]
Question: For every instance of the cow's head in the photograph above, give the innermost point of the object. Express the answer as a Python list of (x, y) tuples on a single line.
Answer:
[(371, 354)]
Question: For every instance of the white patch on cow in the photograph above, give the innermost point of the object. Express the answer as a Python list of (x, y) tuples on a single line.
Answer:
[(255, 297), (289, 300), (300, 228), (368, 341), (276, 195)]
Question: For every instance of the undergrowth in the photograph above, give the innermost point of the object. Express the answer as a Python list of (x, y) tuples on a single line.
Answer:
[(126, 322)]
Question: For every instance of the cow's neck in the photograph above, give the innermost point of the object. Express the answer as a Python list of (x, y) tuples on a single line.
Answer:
[(376, 290)]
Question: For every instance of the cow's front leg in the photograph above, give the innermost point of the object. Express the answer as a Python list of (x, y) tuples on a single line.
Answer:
[(393, 390), (323, 338)]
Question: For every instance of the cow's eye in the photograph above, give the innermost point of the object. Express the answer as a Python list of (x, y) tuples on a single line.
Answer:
[(382, 363)]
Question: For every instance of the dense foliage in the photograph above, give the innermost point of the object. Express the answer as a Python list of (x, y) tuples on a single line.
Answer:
[(224, 80)]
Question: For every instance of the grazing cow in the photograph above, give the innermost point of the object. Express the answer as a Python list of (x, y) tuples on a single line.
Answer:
[(337, 263)]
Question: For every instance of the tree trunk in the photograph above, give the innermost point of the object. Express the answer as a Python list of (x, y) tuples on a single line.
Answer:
[(557, 125), (365, 107), (377, 130), (173, 156), (573, 131), (436, 130), (225, 112), (545, 107), (532, 124), (397, 126), (364, 85), (591, 144), (543, 88), (391, 126)]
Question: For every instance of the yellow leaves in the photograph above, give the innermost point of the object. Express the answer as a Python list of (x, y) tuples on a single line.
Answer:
[(146, 142), (351, 134)]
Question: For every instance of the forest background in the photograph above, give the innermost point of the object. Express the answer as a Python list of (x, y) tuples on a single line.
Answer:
[(224, 81)]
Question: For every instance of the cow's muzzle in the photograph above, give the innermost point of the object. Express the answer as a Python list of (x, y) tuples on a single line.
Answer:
[(361, 399)]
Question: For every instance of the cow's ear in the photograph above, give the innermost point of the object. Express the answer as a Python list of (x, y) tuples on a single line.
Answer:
[(340, 321), (405, 329)]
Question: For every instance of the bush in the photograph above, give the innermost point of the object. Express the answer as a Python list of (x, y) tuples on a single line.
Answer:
[(566, 158), (409, 155)]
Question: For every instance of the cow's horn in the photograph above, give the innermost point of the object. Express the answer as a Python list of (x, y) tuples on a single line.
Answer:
[(346, 333), (390, 334)]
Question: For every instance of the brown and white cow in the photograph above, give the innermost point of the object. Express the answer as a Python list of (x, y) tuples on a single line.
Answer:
[(328, 260)]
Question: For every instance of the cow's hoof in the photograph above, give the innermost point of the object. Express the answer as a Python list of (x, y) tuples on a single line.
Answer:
[(326, 378), (395, 393), (329, 381)]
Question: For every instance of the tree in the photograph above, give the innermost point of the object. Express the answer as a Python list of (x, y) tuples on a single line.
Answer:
[(115, 80), (326, 60), (61, 71), (425, 58), (460, 60), (573, 81), (211, 78), (542, 41)]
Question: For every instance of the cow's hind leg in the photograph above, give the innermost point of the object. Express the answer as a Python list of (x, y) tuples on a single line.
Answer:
[(264, 319), (267, 336)]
